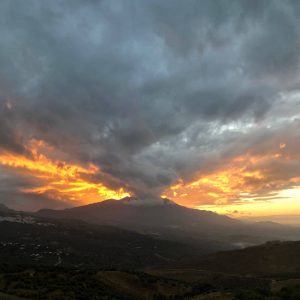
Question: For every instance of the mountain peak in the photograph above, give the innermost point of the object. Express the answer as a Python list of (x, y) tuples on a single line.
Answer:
[(151, 201), (4, 208)]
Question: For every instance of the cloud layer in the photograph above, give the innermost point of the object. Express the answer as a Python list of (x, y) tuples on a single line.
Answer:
[(154, 92)]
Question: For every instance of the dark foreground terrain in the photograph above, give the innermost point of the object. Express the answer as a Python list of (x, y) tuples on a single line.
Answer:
[(32, 282), (44, 258)]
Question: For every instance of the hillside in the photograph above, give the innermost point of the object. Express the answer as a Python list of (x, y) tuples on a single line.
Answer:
[(267, 259), (71, 243), (44, 258), (132, 213)]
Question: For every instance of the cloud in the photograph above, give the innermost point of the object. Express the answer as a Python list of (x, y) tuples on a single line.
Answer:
[(151, 92)]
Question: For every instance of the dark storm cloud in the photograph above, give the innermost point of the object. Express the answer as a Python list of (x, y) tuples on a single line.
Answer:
[(147, 90), (9, 139)]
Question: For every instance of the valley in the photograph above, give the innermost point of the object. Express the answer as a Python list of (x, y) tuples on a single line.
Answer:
[(46, 255)]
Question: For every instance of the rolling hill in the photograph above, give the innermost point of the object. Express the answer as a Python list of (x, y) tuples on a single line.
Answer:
[(268, 259)]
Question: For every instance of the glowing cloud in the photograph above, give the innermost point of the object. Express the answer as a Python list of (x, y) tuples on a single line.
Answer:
[(244, 178), (58, 179)]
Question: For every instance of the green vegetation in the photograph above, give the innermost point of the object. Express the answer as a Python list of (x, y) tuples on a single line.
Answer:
[(56, 283), (59, 283)]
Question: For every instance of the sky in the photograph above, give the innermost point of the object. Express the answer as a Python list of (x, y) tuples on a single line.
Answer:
[(197, 101)]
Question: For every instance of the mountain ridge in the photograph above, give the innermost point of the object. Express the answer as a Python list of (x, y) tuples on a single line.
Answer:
[(130, 212), (169, 220)]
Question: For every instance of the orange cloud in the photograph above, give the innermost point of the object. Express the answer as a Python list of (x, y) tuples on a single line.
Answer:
[(58, 179), (241, 179)]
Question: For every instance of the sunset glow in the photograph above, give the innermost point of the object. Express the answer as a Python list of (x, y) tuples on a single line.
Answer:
[(284, 208), (241, 187), (57, 179), (244, 184)]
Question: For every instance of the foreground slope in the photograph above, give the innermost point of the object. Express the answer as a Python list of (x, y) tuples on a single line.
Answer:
[(212, 280)]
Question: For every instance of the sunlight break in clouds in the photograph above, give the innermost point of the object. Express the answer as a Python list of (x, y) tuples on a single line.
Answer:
[(56, 179)]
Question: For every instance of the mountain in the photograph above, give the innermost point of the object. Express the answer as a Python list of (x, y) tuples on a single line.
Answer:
[(132, 213), (168, 220), (4, 208)]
